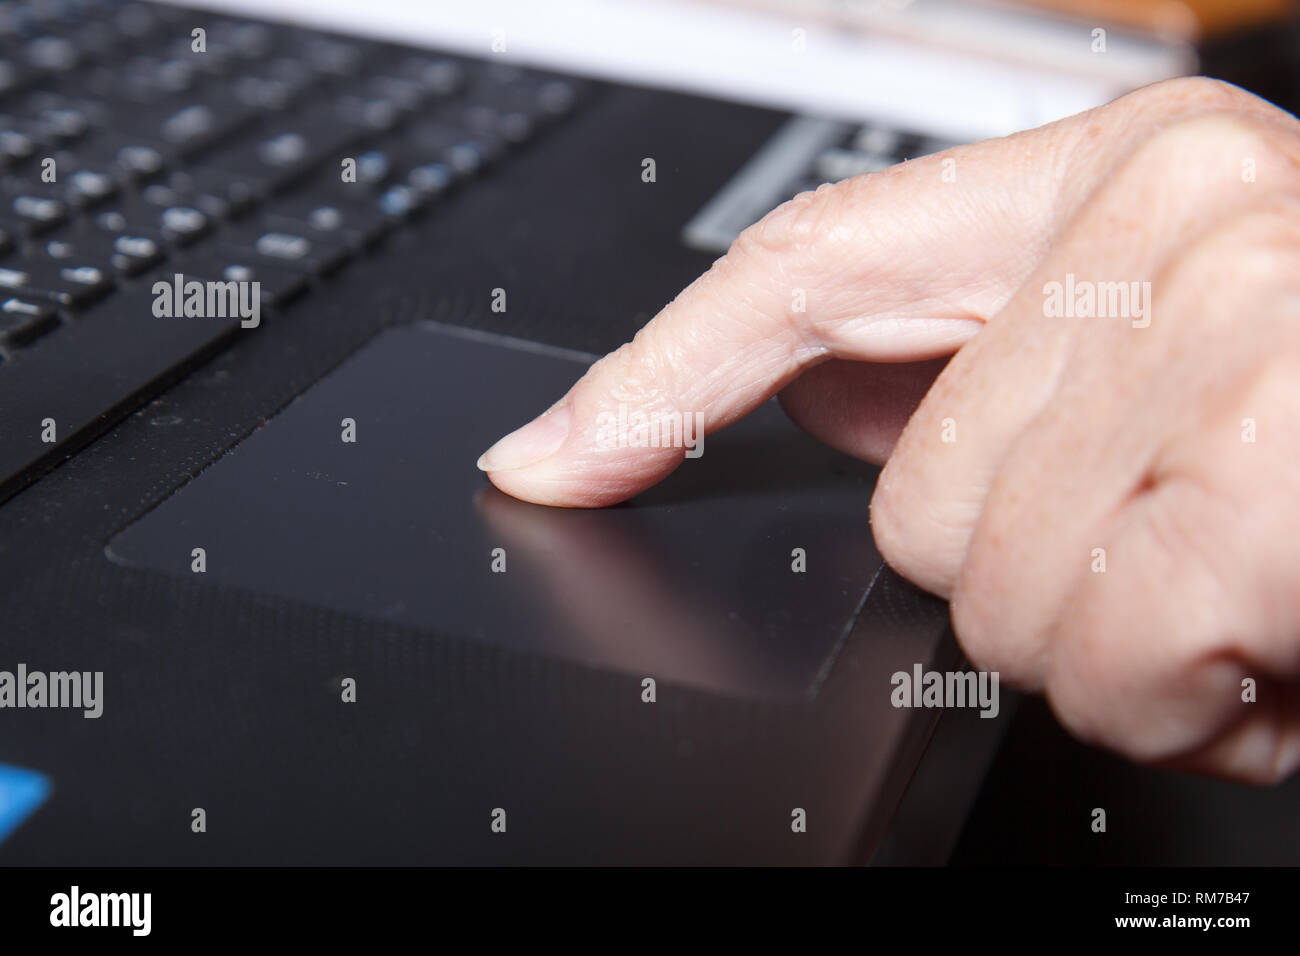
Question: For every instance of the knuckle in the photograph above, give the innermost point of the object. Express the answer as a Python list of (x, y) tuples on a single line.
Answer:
[(802, 228), (1194, 92), (1193, 151), (1097, 694), (1262, 243), (641, 374), (1247, 263)]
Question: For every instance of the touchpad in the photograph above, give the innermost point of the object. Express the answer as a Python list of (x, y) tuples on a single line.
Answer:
[(740, 573)]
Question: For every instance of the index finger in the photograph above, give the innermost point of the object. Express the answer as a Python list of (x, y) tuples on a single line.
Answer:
[(899, 266)]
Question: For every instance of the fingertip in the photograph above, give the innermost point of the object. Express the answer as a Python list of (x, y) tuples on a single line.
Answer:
[(533, 443), (582, 476)]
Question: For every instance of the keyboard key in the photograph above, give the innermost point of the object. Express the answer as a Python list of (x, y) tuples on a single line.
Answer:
[(216, 192), (24, 320), (128, 159), (60, 125), (195, 126), (309, 140), (222, 166), (119, 356), (402, 201), (276, 286), (321, 255), (14, 76), (88, 188), (277, 86), (51, 54), (128, 254), (242, 39), (358, 224), (15, 147), (440, 76), (878, 141), (836, 164), (330, 56), (73, 284), (38, 214), (179, 225), (183, 224)]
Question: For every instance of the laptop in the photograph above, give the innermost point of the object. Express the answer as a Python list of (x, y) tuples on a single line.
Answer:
[(266, 292)]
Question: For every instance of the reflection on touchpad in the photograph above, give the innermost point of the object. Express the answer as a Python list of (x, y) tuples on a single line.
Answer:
[(740, 573)]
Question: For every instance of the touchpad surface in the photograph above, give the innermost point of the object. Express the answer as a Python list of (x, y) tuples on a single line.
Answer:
[(740, 573)]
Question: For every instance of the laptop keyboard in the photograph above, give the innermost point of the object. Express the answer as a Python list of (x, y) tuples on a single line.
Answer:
[(276, 154), (805, 153)]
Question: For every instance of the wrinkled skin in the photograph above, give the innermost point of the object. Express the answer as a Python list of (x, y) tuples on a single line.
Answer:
[(1017, 443)]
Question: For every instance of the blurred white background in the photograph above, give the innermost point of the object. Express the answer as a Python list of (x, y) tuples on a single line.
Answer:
[(755, 54)]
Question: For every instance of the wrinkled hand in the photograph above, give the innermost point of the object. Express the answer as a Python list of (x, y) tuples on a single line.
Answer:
[(1108, 492)]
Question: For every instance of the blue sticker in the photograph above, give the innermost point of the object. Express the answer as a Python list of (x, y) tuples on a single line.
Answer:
[(21, 792)]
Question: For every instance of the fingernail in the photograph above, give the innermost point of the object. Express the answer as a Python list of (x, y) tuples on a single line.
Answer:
[(539, 439)]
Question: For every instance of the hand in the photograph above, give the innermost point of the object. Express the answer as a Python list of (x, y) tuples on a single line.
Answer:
[(1109, 496)]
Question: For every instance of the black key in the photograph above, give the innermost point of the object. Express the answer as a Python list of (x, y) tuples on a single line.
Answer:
[(464, 151), (94, 41), (106, 366), (87, 187), (512, 126), (125, 158), (194, 126), (330, 56), (275, 87), (404, 94), (59, 123), (51, 54), (284, 157), (74, 183), (431, 179), (14, 76), (216, 192), (276, 286), (183, 224), (141, 21), (401, 201), (146, 78), (7, 241), (510, 90), (23, 320), (216, 59), (15, 146), (128, 254), (179, 225), (293, 251), (140, 161), (374, 113), (72, 284), (242, 39), (37, 214), (440, 76), (358, 224), (376, 169)]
